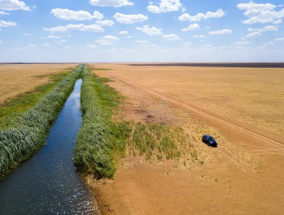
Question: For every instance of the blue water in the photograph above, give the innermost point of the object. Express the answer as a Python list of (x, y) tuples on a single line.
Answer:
[(48, 183)]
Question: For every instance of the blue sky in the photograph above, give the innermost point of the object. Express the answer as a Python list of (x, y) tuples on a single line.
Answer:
[(141, 31)]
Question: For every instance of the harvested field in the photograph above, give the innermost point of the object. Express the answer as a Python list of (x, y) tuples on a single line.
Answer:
[(249, 95), (21, 78), (242, 176)]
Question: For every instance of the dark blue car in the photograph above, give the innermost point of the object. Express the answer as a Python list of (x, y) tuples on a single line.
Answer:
[(210, 141)]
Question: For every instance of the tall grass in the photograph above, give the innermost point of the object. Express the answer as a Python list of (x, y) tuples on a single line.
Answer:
[(25, 133), (99, 136)]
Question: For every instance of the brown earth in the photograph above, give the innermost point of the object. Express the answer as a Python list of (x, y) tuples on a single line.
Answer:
[(242, 176), (20, 78)]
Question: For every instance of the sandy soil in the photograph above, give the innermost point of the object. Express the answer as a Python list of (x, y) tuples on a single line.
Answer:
[(19, 78), (242, 176)]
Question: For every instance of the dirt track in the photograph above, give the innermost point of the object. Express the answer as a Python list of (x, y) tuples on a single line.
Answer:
[(258, 134), (242, 176)]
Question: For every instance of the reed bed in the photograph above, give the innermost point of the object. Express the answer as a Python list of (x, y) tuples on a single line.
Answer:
[(25, 133)]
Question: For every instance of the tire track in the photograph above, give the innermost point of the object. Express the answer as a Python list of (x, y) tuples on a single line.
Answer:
[(277, 144)]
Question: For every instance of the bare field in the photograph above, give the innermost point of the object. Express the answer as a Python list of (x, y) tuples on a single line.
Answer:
[(242, 176), (249, 95), (20, 78)]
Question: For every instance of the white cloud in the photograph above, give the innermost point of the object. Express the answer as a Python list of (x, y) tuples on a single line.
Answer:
[(53, 37), (105, 22), (266, 28), (207, 27), (130, 19), (79, 27), (32, 45), (150, 31), (104, 42), (111, 3), (5, 24), (4, 13), (218, 14), (13, 5), (277, 22), (1, 41), (109, 37), (27, 34), (128, 37), (75, 15), (224, 31), (187, 44), (170, 37), (242, 43), (199, 36), (191, 27), (46, 44), (279, 39), (91, 46), (69, 35), (150, 46), (141, 41), (260, 13), (270, 43), (166, 6), (61, 41), (123, 32), (254, 35)]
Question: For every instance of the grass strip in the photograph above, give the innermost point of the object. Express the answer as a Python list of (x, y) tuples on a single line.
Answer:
[(25, 132), (99, 138)]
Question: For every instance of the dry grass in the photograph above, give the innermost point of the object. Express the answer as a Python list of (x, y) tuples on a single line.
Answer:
[(249, 95), (19, 78)]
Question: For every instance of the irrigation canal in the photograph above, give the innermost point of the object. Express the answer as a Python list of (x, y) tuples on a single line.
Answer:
[(48, 182)]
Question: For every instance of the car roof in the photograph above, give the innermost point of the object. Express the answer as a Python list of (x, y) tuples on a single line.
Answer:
[(207, 135)]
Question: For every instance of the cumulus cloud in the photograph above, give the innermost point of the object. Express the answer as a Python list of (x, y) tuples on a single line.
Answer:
[(266, 28), (224, 31), (166, 6), (75, 15), (104, 42), (111, 3), (130, 19), (141, 41), (150, 31), (5, 24), (254, 35), (1, 41), (79, 27), (61, 41), (242, 43), (52, 37), (46, 44), (123, 32), (170, 37), (199, 36), (279, 39), (277, 22), (218, 14), (191, 27), (260, 13), (187, 44), (105, 22), (13, 5), (109, 37), (4, 13), (150, 46)]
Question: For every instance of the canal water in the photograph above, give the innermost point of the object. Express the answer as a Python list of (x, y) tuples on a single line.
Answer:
[(48, 183)]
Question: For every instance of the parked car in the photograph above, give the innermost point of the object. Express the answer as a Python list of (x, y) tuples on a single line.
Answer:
[(210, 141)]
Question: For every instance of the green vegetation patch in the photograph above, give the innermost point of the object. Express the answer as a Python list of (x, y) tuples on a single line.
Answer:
[(25, 132), (25, 101), (99, 137)]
